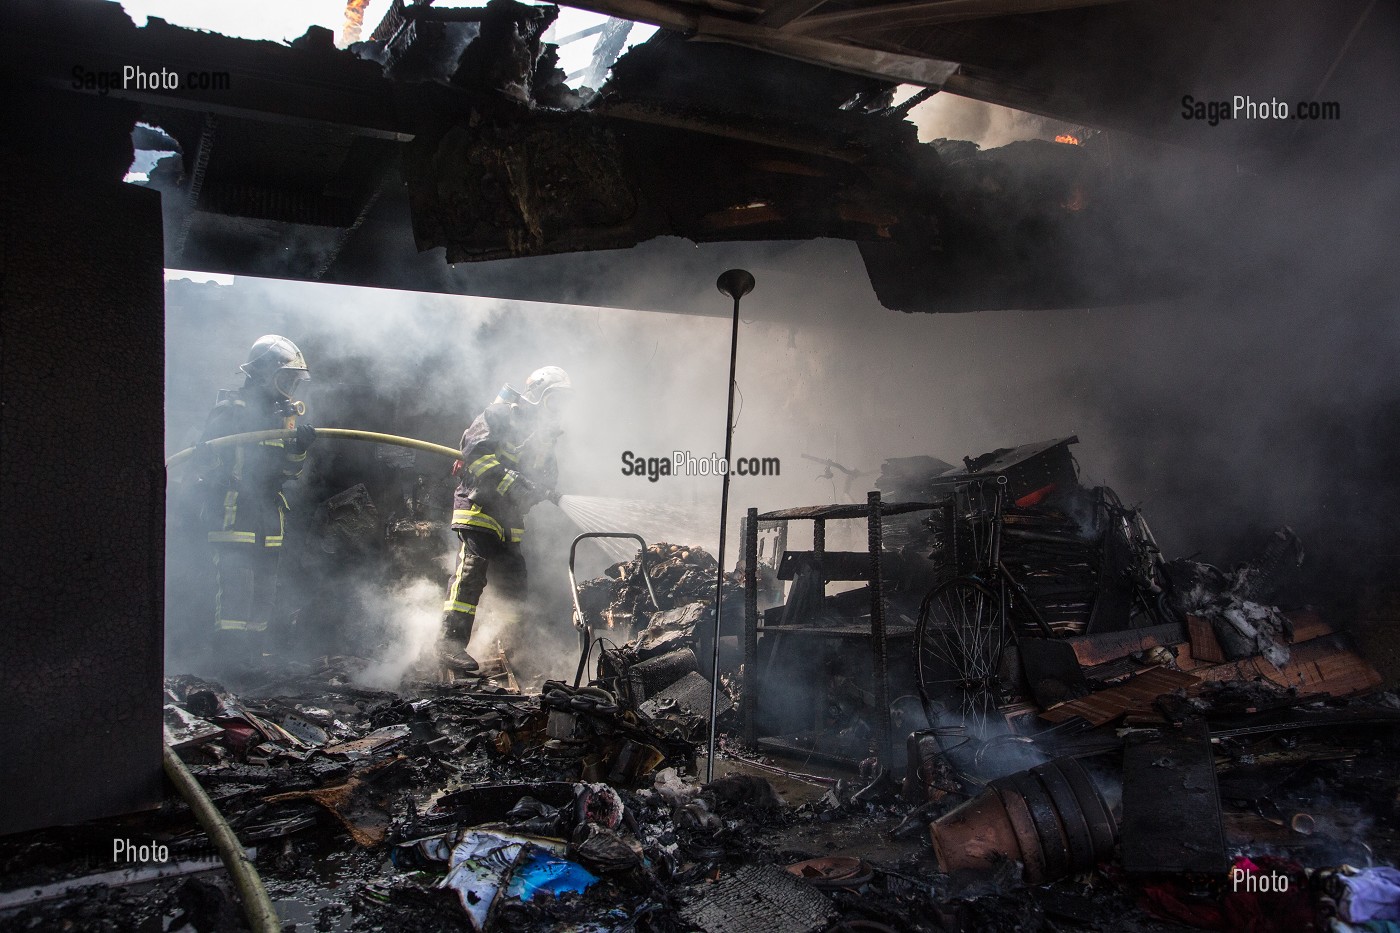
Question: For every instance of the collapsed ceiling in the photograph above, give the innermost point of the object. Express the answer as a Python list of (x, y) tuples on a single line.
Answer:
[(454, 128)]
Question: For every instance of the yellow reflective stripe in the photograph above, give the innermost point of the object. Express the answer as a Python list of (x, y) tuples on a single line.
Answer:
[(276, 540), (478, 519), (238, 625), (512, 456), (275, 442), (233, 537), (230, 508), (297, 458), (505, 484), (516, 534), (452, 606), (481, 464)]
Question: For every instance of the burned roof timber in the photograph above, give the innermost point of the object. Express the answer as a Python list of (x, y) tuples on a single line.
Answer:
[(463, 129)]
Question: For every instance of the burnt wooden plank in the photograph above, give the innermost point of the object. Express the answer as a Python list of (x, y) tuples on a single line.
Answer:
[(1107, 705), (1109, 646), (1171, 804)]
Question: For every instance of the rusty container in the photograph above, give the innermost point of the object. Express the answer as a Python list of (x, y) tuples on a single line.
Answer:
[(928, 776), (1052, 819)]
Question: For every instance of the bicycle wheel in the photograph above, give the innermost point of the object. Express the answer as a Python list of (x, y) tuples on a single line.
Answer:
[(960, 640)]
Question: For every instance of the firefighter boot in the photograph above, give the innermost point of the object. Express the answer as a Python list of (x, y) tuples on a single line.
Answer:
[(452, 647)]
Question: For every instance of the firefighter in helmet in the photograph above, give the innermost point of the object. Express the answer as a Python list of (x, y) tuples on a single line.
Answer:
[(507, 466), (244, 507)]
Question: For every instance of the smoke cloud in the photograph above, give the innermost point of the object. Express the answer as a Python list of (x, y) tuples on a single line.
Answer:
[(1264, 391)]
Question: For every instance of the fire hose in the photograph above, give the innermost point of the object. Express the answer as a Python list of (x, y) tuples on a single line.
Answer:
[(257, 437), (257, 906)]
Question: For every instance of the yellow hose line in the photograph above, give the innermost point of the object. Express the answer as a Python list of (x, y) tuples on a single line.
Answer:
[(256, 437), (257, 906)]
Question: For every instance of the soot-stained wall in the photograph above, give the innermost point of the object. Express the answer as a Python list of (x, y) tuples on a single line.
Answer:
[(82, 491)]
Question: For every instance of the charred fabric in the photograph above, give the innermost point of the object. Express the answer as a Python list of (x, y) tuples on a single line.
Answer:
[(1022, 716)]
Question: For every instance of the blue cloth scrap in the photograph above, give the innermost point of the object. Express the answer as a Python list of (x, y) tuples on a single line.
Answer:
[(1371, 894)]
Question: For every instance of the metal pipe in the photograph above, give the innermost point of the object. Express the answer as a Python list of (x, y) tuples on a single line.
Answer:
[(736, 283)]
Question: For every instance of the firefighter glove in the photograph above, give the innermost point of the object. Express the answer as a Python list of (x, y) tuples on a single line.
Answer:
[(306, 436)]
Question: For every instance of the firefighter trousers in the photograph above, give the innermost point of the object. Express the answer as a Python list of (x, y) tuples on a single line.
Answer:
[(481, 551), (247, 554)]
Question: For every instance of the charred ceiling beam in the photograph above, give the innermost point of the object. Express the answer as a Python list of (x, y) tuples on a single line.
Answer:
[(329, 261), (886, 16), (781, 12), (843, 56), (195, 184), (581, 34), (606, 50), (861, 60)]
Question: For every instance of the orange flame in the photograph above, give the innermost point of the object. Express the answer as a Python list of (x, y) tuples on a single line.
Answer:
[(1067, 139), (354, 21)]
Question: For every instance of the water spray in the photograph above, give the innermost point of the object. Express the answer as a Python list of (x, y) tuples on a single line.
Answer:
[(736, 283), (655, 521)]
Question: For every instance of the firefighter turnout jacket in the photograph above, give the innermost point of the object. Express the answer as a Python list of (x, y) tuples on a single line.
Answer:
[(247, 479), (506, 467), (244, 509)]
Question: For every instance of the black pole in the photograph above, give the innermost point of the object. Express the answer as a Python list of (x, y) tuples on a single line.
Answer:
[(878, 644), (750, 695), (736, 283)]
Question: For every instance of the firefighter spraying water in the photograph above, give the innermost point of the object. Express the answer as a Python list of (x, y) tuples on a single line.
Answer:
[(257, 439), (507, 466)]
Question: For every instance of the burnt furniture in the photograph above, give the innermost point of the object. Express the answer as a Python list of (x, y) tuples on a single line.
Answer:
[(844, 640)]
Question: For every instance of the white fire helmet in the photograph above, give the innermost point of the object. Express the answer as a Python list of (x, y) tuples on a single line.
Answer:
[(275, 362), (547, 386)]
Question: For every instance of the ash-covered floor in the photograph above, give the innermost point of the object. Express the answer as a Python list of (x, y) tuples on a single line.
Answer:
[(1226, 803)]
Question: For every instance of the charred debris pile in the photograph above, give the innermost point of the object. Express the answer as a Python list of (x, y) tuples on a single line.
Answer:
[(1077, 733)]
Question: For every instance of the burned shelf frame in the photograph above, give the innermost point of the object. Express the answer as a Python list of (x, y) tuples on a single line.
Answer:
[(873, 511)]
